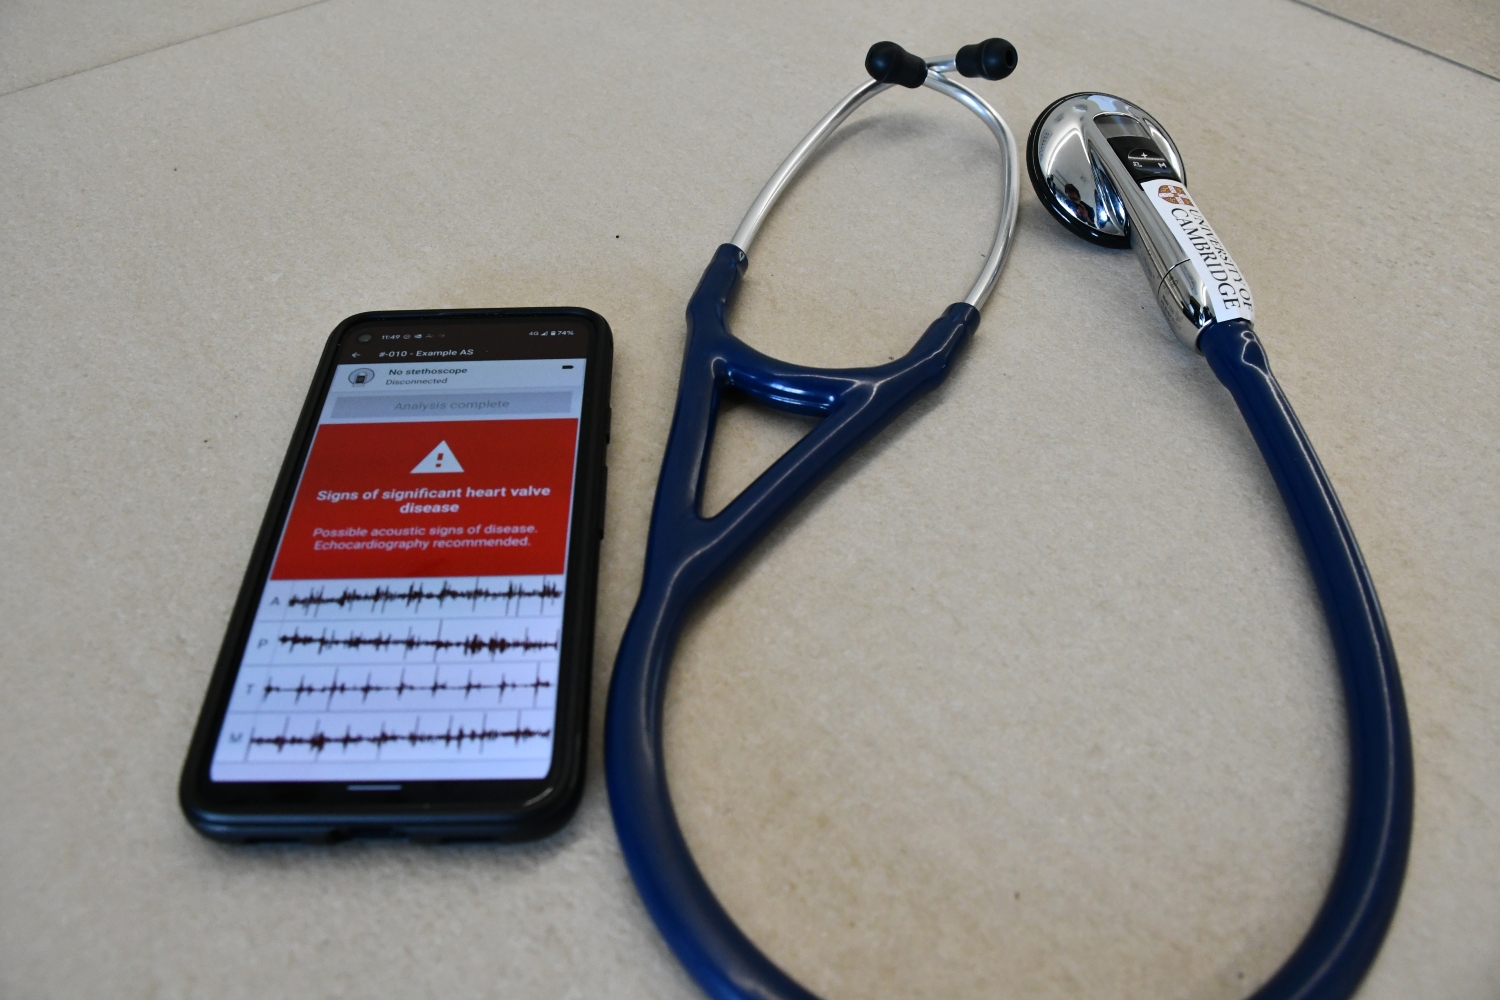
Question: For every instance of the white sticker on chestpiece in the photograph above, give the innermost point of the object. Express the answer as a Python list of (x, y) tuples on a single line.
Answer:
[(1228, 292)]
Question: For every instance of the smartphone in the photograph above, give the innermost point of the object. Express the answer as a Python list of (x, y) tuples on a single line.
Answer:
[(411, 649)]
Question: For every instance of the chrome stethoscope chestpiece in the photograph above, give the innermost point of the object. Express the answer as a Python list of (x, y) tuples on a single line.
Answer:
[(1110, 172)]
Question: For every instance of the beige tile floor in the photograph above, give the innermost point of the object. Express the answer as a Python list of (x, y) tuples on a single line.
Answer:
[(45, 40), (1466, 31), (1031, 700)]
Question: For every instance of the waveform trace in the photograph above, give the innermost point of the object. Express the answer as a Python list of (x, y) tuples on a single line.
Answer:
[(317, 741), (418, 677), (303, 689), (471, 645), (416, 594)]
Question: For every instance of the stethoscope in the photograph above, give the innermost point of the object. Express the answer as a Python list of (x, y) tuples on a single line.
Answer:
[(1109, 172)]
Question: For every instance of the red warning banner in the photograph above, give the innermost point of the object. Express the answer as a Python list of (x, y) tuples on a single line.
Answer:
[(450, 498)]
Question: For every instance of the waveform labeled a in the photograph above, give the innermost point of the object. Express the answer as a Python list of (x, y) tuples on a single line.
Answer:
[(470, 645), (302, 689), (378, 598), (453, 738)]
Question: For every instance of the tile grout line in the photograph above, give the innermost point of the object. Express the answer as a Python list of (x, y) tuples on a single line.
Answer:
[(159, 48), (1399, 41), (265, 17)]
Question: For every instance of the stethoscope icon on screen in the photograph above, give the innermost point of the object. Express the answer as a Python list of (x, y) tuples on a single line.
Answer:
[(360, 376)]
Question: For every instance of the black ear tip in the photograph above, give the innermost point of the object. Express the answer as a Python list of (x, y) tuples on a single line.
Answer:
[(887, 62), (882, 57), (993, 59)]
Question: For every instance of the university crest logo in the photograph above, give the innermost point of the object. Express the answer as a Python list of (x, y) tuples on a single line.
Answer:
[(1174, 194)]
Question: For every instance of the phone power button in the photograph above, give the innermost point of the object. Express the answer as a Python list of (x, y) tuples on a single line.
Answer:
[(603, 495)]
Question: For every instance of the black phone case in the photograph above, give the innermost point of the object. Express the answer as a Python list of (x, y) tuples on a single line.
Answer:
[(421, 811)]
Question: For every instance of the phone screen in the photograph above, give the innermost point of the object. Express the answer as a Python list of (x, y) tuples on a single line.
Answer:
[(410, 625)]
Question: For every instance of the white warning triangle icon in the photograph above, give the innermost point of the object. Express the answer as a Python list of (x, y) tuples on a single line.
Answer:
[(439, 459)]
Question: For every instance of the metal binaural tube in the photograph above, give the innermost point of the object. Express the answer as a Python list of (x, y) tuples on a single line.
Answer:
[(796, 159), (1010, 188), (1010, 159)]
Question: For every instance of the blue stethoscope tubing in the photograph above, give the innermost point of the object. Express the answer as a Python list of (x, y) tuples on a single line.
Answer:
[(687, 554), (1345, 936)]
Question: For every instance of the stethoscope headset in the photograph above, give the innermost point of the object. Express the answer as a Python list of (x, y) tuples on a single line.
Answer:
[(1108, 171)]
